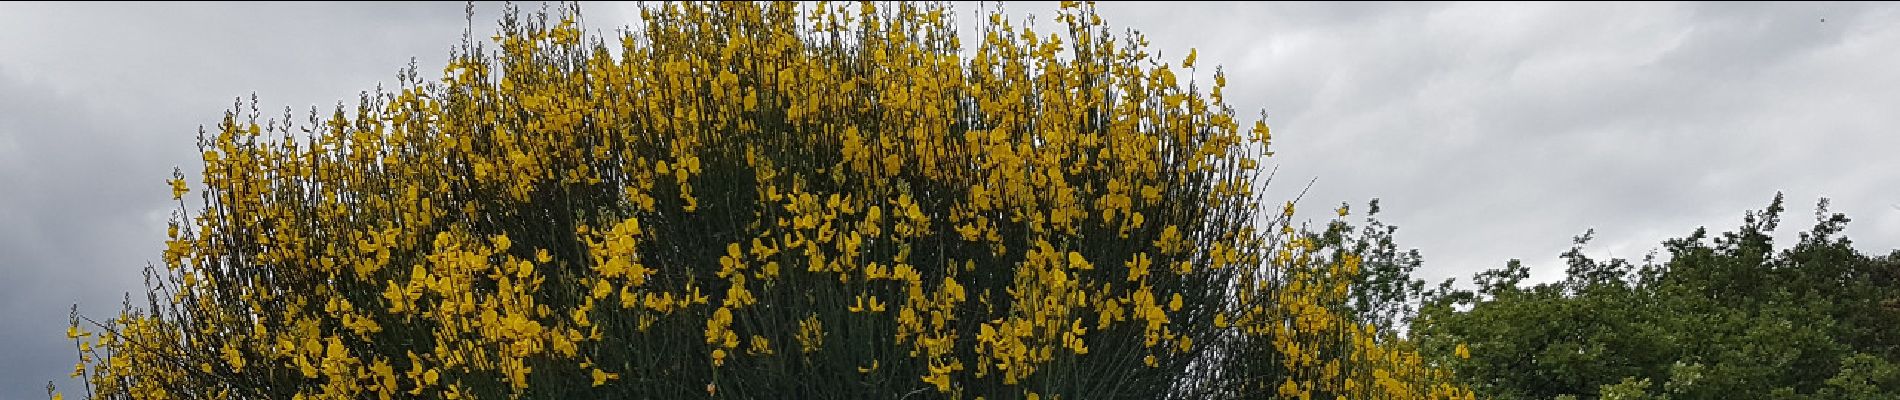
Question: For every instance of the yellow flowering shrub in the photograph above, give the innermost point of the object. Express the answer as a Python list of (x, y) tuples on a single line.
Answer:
[(753, 200)]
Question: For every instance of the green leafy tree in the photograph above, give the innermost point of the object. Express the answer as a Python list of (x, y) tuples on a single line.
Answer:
[(1723, 317)]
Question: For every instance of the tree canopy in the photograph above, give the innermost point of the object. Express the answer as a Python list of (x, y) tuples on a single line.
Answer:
[(1723, 316)]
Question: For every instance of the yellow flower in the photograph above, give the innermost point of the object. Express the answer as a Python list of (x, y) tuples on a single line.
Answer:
[(178, 188), (601, 377)]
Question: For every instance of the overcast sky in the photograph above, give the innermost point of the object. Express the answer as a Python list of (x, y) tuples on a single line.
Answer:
[(1490, 131)]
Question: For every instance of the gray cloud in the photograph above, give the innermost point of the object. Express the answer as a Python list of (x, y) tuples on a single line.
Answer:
[(98, 102), (1492, 131), (56, 216), (1498, 131)]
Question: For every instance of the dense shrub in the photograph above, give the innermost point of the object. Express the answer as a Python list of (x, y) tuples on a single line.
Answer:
[(754, 200)]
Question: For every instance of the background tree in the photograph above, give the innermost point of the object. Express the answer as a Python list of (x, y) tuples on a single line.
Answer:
[(1722, 317), (743, 200)]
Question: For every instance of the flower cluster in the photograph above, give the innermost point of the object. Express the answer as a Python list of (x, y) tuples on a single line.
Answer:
[(745, 199)]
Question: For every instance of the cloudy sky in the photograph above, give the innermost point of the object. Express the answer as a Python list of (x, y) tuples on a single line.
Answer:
[(1490, 131)]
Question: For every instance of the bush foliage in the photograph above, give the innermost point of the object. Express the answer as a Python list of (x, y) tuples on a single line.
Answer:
[(752, 200), (1724, 316)]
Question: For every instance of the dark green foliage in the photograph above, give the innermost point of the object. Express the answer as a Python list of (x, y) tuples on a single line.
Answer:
[(1722, 317)]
